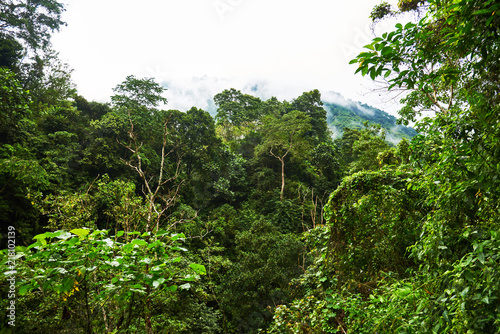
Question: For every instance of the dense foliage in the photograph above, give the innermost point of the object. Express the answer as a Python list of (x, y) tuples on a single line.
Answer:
[(416, 251), (129, 217)]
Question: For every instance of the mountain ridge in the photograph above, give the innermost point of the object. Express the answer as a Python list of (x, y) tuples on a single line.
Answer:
[(345, 113)]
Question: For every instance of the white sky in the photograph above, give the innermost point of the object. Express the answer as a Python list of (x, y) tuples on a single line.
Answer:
[(198, 48)]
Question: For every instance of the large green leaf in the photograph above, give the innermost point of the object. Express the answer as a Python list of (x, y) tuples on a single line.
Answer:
[(198, 268), (80, 232)]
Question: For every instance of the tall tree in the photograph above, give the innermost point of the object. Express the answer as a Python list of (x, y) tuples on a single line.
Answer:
[(235, 109), (135, 92), (311, 104), (284, 136), (138, 100)]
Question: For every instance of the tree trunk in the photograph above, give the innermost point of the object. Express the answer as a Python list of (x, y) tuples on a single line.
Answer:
[(282, 177)]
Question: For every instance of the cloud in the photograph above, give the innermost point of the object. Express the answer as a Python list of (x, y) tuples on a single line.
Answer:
[(284, 47), (391, 138), (200, 47), (337, 98), (335, 131), (184, 93)]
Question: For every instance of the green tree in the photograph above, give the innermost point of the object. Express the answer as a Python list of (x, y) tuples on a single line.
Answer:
[(311, 104), (102, 152), (201, 150), (31, 22), (14, 107), (133, 117), (58, 139), (359, 149), (93, 110), (26, 28), (196, 131), (20, 171), (10, 53), (273, 107), (235, 109), (367, 149), (137, 101), (159, 186), (47, 78), (231, 185), (134, 92), (328, 166), (283, 136)]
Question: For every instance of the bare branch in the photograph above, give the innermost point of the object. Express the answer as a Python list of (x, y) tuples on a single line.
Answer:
[(152, 192), (434, 101)]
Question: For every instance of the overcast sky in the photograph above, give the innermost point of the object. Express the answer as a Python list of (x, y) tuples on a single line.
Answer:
[(197, 48)]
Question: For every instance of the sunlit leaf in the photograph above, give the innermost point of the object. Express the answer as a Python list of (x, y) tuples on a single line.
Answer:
[(198, 268), (80, 232)]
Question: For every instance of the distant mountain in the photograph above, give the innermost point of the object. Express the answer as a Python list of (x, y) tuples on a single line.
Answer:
[(344, 113)]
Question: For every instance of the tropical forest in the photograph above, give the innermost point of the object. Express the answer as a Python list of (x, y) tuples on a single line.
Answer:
[(262, 215)]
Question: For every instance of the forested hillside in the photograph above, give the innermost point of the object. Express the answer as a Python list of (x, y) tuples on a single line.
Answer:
[(343, 113), (131, 217)]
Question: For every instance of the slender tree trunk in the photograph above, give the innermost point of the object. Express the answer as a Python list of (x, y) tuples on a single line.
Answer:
[(282, 177), (105, 317), (282, 160)]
